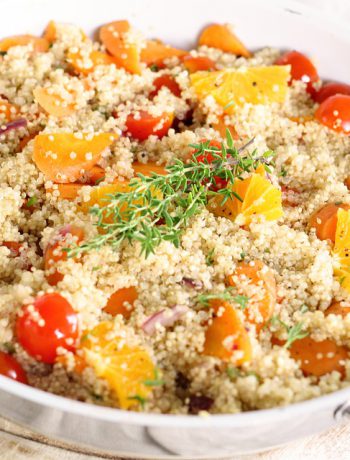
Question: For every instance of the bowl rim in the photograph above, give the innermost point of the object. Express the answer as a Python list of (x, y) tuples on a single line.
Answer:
[(333, 401), (110, 414)]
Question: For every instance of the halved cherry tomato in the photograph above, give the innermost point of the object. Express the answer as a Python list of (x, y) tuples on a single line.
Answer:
[(116, 304), (208, 157), (301, 68), (55, 252), (331, 89), (325, 220), (14, 247), (195, 64), (334, 113), (9, 367), (142, 125), (46, 325), (169, 82)]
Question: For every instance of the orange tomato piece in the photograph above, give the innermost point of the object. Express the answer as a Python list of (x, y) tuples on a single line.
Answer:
[(347, 182), (220, 36), (85, 65), (148, 168), (50, 32), (54, 251), (257, 282), (53, 104), (8, 111), (156, 52), (338, 308), (65, 157), (319, 358), (93, 176), (195, 64), (221, 127), (226, 337), (14, 247), (39, 44), (169, 82), (114, 37), (325, 220), (302, 120), (67, 191), (121, 302), (142, 125)]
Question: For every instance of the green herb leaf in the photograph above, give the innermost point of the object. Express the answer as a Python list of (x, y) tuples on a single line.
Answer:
[(156, 382), (140, 399), (242, 300), (158, 207), (209, 258), (32, 201), (295, 332)]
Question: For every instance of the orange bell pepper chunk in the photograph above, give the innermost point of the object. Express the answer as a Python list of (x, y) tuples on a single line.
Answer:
[(148, 168), (220, 36), (8, 111), (114, 36), (196, 64), (53, 104), (121, 302), (257, 282), (85, 65), (65, 157), (142, 125), (39, 44), (319, 358), (226, 337), (325, 220), (54, 252), (338, 308), (156, 52)]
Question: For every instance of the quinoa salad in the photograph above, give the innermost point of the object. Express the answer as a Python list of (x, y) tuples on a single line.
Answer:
[(175, 224)]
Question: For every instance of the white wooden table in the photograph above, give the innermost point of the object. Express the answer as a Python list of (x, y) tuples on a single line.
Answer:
[(19, 444)]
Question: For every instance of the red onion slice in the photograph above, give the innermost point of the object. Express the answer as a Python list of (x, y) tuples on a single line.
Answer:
[(15, 124), (164, 317)]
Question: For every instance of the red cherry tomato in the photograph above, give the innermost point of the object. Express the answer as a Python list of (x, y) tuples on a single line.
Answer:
[(331, 89), (195, 64), (54, 251), (168, 81), (301, 68), (14, 247), (334, 112), (208, 157), (9, 367), (142, 125), (46, 325)]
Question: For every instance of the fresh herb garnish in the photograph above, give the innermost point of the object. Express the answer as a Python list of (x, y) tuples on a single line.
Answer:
[(140, 399), (304, 308), (9, 347), (234, 373), (226, 295), (158, 207), (156, 381), (294, 332), (209, 258), (227, 106), (32, 201), (154, 68), (283, 172), (242, 256)]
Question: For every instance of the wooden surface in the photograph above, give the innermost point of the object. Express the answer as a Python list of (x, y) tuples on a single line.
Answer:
[(18, 444)]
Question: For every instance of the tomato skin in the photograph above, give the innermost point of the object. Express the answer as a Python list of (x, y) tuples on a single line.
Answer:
[(169, 82), (195, 64), (14, 247), (9, 367), (60, 323), (143, 125), (331, 89), (208, 157), (54, 252), (334, 113), (301, 68)]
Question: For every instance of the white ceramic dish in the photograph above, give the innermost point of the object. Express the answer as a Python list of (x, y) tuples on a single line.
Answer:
[(282, 24)]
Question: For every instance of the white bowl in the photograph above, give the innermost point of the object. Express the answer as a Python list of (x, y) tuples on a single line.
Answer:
[(282, 24)]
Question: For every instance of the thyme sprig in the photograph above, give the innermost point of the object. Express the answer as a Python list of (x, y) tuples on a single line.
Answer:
[(227, 295), (294, 333), (157, 207)]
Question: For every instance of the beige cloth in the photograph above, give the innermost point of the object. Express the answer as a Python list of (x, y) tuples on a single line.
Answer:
[(19, 444)]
